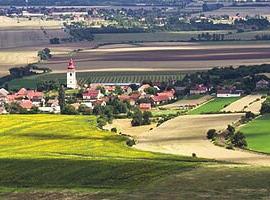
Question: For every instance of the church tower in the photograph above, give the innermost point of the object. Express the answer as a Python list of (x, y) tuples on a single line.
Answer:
[(71, 75)]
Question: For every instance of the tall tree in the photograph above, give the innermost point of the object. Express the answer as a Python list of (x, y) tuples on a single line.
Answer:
[(61, 98)]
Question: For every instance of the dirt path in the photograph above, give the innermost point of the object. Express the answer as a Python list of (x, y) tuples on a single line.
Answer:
[(248, 103), (185, 135)]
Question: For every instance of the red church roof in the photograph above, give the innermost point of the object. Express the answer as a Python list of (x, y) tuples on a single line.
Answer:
[(71, 64)]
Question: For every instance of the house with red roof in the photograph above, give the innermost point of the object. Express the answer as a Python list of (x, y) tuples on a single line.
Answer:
[(92, 95), (199, 89), (163, 97), (26, 104), (145, 106)]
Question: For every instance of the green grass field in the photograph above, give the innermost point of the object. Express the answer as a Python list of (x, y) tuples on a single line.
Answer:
[(67, 157), (98, 77), (257, 133), (213, 106), (56, 151)]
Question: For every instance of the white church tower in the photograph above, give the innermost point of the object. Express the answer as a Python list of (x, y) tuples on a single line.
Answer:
[(71, 75)]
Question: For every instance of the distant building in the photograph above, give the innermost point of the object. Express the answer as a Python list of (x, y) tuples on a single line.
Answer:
[(199, 89), (71, 75), (145, 106), (229, 93), (262, 84)]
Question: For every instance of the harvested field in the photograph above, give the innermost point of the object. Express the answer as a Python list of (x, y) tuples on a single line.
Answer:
[(248, 103), (25, 23), (185, 135), (190, 102)]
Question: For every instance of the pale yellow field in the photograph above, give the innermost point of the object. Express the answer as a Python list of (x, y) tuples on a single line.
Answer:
[(24, 23), (247, 103), (185, 135)]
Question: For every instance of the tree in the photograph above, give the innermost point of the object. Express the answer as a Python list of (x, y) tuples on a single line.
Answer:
[(239, 140), (101, 121), (61, 98), (137, 119), (211, 134), (44, 54), (146, 117), (151, 90), (69, 110), (118, 90)]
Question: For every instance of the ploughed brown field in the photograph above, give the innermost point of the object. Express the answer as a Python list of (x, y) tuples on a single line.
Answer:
[(186, 57)]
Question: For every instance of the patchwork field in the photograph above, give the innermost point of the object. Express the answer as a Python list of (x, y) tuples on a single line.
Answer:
[(257, 133), (213, 106)]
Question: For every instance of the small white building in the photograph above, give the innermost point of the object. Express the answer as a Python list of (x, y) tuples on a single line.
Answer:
[(228, 93), (71, 75)]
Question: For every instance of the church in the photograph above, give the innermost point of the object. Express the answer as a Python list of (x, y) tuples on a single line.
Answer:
[(71, 75)]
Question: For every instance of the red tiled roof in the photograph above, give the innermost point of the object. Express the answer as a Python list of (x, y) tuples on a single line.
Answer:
[(160, 98), (91, 93), (22, 92), (33, 94), (124, 97), (71, 64), (27, 104), (145, 106)]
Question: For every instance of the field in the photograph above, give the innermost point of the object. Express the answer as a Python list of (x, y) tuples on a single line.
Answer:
[(99, 77), (214, 106), (186, 134), (67, 157), (52, 151), (248, 103), (258, 134)]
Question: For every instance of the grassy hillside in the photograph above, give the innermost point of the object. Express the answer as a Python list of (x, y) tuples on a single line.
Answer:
[(258, 134), (53, 151), (214, 106)]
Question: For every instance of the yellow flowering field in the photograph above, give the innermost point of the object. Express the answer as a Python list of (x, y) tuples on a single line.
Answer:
[(58, 151)]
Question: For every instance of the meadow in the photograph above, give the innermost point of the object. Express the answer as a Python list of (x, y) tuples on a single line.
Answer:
[(67, 157), (53, 151), (258, 134), (99, 77), (213, 106)]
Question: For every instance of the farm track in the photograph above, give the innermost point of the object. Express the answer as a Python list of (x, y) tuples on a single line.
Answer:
[(185, 135)]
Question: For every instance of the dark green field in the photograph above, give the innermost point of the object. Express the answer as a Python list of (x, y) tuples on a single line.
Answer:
[(258, 134)]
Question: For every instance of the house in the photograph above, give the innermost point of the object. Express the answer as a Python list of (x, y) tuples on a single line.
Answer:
[(52, 106), (262, 84), (92, 95), (145, 106), (169, 94), (198, 89), (127, 98), (26, 104), (229, 93), (3, 95), (160, 99)]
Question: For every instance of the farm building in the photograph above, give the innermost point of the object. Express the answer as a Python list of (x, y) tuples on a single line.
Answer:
[(199, 89), (145, 106), (229, 93), (262, 84)]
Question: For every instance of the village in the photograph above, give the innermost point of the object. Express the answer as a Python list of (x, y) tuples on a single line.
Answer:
[(144, 96)]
